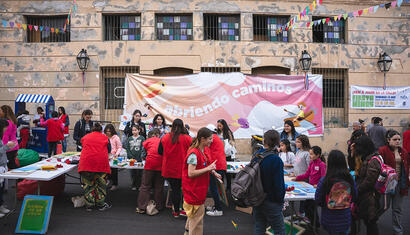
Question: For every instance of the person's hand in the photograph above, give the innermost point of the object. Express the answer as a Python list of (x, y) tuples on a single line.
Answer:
[(218, 176), (315, 186), (11, 144), (293, 179), (292, 174), (212, 166)]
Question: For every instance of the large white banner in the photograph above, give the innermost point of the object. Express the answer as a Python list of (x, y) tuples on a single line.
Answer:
[(366, 97)]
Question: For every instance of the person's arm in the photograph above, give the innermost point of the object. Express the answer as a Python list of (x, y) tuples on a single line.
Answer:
[(43, 123), (193, 172), (319, 193), (143, 153), (109, 146), (67, 121), (306, 175), (322, 169), (119, 146), (372, 173), (76, 135)]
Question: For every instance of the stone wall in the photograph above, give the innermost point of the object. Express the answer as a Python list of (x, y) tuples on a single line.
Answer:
[(50, 68)]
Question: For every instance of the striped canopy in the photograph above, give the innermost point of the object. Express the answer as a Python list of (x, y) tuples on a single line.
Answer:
[(28, 98)]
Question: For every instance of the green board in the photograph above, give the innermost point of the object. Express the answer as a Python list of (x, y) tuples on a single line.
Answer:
[(34, 214)]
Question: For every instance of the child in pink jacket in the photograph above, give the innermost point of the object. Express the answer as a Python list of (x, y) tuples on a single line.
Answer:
[(116, 148), (315, 171)]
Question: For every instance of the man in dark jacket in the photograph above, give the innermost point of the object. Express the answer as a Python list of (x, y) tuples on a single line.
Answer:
[(82, 127), (377, 133)]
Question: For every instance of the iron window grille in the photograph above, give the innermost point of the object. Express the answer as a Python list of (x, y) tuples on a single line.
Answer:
[(122, 27), (331, 32), (265, 28), (222, 27), (174, 27), (220, 69), (334, 96), (44, 34)]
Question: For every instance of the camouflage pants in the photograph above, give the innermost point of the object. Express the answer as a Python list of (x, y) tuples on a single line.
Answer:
[(95, 187)]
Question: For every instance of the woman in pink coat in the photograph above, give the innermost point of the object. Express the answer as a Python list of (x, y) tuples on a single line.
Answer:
[(10, 134)]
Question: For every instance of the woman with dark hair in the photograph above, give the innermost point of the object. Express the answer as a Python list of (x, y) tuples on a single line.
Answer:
[(82, 127), (66, 121), (10, 134), (94, 167), (396, 157), (367, 171), (224, 132), (160, 123), (350, 159), (136, 120), (3, 163), (174, 147), (336, 220), (289, 133), (269, 213)]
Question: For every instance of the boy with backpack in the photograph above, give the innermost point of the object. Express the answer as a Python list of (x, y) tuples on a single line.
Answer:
[(335, 193)]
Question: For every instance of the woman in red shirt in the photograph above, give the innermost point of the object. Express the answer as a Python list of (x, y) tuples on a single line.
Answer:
[(195, 181), (55, 132), (173, 147), (94, 167), (66, 121), (397, 158), (152, 174)]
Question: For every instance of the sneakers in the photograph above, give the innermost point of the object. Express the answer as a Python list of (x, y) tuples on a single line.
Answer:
[(104, 207), (139, 211), (2, 215), (113, 188), (134, 188), (209, 208), (4, 210), (215, 213), (175, 214), (182, 213), (89, 208)]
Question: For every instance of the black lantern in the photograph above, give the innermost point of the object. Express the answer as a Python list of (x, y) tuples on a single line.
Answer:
[(384, 64), (305, 61), (83, 60)]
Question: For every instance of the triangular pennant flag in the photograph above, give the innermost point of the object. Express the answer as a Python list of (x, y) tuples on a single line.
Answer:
[(335, 18), (24, 26), (314, 4), (355, 13), (381, 5), (11, 24), (360, 12), (4, 23), (18, 25), (339, 17), (345, 16), (327, 20), (308, 24), (320, 1), (323, 21), (310, 8), (387, 5), (73, 7), (399, 2), (365, 11), (375, 8), (307, 10), (52, 30), (41, 28), (57, 30), (36, 27), (350, 14), (393, 4), (30, 27), (371, 9), (47, 28)]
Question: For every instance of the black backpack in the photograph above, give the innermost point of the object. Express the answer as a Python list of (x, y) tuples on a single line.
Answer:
[(247, 189)]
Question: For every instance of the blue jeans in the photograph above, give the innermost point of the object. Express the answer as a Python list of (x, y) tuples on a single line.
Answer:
[(269, 214), (214, 189), (64, 144)]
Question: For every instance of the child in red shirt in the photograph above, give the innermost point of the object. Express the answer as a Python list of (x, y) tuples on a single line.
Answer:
[(55, 132), (152, 174)]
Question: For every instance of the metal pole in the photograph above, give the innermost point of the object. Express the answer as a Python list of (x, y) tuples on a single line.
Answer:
[(384, 85)]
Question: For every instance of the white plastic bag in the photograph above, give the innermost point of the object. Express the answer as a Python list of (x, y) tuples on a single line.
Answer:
[(230, 150)]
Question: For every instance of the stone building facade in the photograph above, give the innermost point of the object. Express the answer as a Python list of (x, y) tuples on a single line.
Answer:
[(30, 64)]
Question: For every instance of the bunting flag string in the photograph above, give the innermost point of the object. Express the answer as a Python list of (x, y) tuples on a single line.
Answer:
[(57, 30), (354, 14)]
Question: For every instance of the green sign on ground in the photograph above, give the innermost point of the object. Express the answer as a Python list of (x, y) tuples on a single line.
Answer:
[(34, 214)]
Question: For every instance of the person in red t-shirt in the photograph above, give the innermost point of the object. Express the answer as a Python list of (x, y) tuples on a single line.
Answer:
[(55, 132), (152, 174), (406, 140), (195, 180)]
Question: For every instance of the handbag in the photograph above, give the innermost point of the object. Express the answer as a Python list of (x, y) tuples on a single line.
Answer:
[(151, 208)]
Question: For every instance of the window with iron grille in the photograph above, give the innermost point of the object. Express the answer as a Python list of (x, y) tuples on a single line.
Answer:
[(265, 28), (122, 27), (222, 27), (174, 27), (113, 85), (43, 29), (220, 69), (331, 32), (334, 96)]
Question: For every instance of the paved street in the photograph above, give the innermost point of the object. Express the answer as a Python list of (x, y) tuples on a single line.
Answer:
[(122, 219)]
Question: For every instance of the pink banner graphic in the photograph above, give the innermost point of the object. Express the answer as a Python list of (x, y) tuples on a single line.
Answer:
[(249, 104)]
